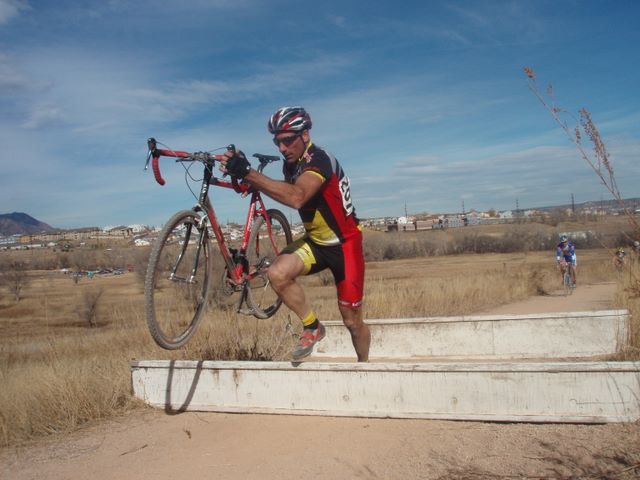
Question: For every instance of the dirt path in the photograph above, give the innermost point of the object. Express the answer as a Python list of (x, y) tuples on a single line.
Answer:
[(152, 445), (584, 298)]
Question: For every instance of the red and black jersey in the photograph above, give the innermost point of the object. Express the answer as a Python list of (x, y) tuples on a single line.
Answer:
[(329, 216)]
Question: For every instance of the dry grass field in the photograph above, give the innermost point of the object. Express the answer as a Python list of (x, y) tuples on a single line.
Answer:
[(65, 347)]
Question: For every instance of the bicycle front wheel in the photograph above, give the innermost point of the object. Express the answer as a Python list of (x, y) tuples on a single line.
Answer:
[(264, 246), (177, 281), (568, 282)]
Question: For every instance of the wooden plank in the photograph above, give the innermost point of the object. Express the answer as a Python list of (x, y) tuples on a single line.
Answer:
[(585, 392), (494, 337)]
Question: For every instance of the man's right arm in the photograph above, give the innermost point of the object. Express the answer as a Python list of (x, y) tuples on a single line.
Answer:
[(294, 195)]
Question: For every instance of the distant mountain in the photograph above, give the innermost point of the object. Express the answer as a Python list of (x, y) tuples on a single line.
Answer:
[(17, 223)]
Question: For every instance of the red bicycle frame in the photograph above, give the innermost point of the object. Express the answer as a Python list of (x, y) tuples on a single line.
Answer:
[(256, 206)]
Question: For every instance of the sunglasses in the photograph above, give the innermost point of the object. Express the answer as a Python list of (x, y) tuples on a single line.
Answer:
[(285, 140)]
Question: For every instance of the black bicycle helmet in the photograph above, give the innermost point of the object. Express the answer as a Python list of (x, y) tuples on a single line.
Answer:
[(289, 119)]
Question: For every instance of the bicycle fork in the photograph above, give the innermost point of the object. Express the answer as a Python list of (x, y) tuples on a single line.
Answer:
[(194, 269)]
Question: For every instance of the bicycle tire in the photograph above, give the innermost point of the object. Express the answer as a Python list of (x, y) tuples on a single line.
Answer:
[(175, 298), (260, 297), (568, 282)]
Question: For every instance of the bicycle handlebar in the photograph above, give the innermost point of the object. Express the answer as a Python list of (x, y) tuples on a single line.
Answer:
[(204, 157), (155, 153)]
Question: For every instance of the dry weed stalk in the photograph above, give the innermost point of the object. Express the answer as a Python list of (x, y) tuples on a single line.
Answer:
[(599, 161), (88, 310)]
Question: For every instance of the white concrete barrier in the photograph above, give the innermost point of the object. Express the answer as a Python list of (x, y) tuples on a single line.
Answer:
[(584, 392), (542, 336)]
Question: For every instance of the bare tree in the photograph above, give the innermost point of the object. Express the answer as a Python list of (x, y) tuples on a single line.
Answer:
[(557, 216), (14, 275), (88, 309), (140, 261)]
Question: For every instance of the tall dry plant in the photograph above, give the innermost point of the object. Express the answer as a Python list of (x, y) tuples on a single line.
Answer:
[(599, 159), (88, 309)]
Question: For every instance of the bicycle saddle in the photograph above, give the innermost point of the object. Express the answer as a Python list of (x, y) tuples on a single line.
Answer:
[(266, 158)]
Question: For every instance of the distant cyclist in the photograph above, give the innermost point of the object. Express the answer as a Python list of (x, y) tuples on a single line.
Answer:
[(635, 252), (619, 259), (566, 257)]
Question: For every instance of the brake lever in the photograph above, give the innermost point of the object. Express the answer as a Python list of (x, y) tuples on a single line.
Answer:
[(151, 145), (230, 148), (146, 164)]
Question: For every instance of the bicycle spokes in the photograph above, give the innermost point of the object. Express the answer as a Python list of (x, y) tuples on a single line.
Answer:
[(177, 283), (267, 240)]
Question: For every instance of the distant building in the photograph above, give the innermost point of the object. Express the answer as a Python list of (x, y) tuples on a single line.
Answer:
[(138, 228), (424, 224), (113, 233), (10, 240)]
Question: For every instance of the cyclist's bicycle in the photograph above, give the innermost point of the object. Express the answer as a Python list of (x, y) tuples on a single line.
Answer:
[(567, 279), (618, 262), (178, 280)]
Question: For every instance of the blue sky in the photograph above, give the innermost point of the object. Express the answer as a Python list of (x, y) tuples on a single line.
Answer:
[(424, 103)]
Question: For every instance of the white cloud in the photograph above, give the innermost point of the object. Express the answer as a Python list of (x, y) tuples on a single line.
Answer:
[(498, 23), (92, 92), (44, 117), (10, 9), (14, 80), (338, 21)]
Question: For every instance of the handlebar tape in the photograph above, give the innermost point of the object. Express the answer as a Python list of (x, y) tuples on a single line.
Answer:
[(156, 170)]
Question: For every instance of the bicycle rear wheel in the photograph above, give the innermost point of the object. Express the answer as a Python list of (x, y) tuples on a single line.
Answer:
[(264, 246), (177, 281)]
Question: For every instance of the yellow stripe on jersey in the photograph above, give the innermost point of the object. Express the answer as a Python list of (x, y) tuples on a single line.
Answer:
[(318, 174), (320, 232)]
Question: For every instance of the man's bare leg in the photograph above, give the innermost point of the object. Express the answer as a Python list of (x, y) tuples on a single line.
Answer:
[(282, 275), (360, 334)]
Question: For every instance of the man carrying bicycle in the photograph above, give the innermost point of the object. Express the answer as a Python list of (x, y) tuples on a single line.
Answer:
[(566, 257), (315, 184)]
